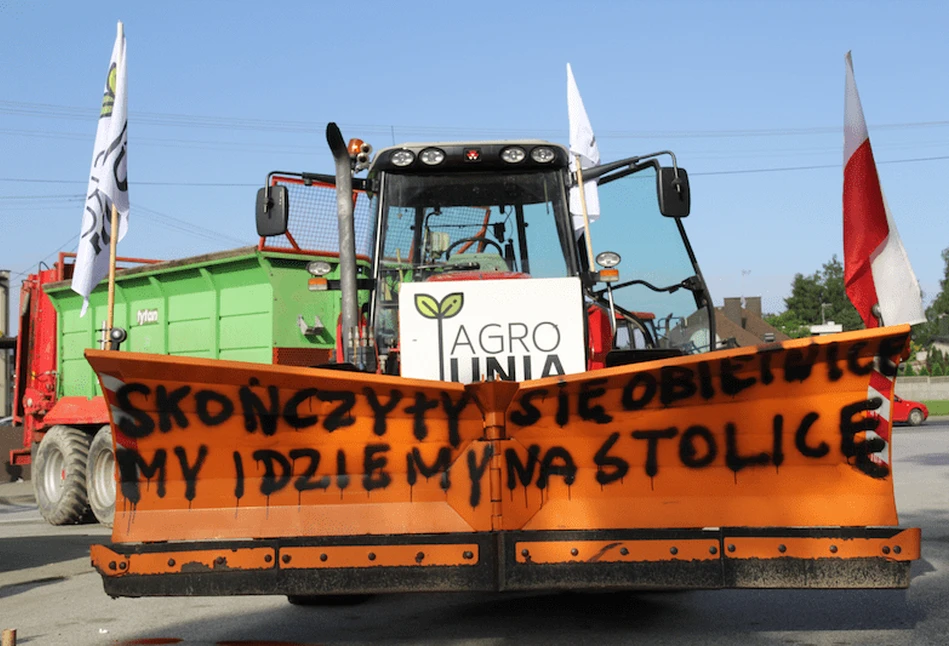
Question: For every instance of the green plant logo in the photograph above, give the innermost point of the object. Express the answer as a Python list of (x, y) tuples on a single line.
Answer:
[(431, 308), (108, 97)]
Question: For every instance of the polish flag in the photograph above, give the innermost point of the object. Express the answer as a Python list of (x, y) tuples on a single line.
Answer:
[(876, 267)]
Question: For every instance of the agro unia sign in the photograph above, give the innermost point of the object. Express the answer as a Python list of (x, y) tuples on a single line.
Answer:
[(512, 330)]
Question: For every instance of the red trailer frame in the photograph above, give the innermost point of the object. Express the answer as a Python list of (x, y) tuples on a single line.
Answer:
[(35, 403)]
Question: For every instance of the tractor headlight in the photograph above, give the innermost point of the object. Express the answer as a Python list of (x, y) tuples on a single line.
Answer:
[(513, 154), (432, 156), (543, 155), (608, 259), (402, 157), (318, 268)]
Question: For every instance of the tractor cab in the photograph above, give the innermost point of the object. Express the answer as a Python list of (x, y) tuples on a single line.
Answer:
[(468, 262), (491, 221)]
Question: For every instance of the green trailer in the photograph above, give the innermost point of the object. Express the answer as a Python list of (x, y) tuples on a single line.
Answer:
[(262, 304)]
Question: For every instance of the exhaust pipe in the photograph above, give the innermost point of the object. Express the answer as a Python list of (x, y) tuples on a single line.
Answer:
[(347, 241)]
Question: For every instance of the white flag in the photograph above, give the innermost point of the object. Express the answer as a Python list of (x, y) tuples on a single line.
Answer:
[(108, 180), (582, 143)]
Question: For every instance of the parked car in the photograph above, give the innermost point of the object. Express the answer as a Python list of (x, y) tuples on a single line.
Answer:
[(906, 411)]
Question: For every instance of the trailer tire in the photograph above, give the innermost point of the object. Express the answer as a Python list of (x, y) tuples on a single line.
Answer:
[(59, 475), (100, 476)]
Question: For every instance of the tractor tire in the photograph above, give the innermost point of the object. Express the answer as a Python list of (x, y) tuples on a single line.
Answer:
[(100, 476), (915, 417), (59, 475)]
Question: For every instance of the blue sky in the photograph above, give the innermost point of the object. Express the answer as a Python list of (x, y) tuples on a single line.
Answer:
[(221, 92)]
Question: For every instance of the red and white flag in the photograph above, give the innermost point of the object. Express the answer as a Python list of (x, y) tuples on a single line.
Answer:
[(876, 267)]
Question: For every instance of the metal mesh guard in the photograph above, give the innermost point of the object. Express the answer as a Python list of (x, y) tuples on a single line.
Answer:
[(313, 223)]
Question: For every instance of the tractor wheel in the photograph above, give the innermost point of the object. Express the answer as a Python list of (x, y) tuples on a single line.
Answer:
[(915, 417), (100, 476), (59, 475)]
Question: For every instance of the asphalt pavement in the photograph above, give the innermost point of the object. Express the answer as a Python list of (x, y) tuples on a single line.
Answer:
[(51, 595)]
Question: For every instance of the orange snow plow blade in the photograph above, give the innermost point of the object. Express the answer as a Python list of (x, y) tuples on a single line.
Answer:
[(753, 467)]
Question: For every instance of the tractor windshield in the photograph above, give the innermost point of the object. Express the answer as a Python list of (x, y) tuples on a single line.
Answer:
[(457, 226), (483, 222), (659, 286)]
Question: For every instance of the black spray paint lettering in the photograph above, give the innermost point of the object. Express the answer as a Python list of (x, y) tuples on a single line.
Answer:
[(517, 471), (589, 392), (256, 412), (798, 364), (134, 423), (262, 410), (374, 463), (291, 410), (190, 471), (273, 461), (380, 411), (860, 451), (132, 467), (415, 464), (618, 467), (690, 455), (421, 406), (169, 407), (834, 373), (652, 438), (476, 470), (305, 481), (676, 384), (453, 413), (557, 461), (206, 399), (131, 464)]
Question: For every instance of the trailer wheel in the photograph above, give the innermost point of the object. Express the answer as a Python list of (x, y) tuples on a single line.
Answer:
[(100, 476), (59, 475)]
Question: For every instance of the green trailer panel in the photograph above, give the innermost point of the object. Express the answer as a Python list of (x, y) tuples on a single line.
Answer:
[(241, 305)]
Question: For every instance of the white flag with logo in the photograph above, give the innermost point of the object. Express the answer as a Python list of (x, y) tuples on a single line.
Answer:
[(108, 180), (582, 143)]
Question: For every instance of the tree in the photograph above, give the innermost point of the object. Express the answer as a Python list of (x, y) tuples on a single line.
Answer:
[(823, 289), (937, 314)]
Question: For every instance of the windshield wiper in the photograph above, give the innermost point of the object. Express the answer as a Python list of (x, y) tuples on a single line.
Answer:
[(691, 283), (449, 266)]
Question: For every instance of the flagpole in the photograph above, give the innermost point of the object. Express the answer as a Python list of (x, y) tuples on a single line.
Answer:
[(586, 216), (113, 240)]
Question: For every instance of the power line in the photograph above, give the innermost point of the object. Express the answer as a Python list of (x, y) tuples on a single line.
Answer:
[(178, 224), (44, 110), (30, 180), (816, 167), (742, 171), (26, 272)]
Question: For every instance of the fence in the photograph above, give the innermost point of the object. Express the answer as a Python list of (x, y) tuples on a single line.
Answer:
[(919, 388)]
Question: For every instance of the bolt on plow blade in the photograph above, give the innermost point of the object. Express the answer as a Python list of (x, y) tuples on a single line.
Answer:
[(753, 467)]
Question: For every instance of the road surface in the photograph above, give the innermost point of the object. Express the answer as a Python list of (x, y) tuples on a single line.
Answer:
[(50, 595)]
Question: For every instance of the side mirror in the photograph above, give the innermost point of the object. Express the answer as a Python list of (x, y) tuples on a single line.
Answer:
[(673, 192), (273, 210)]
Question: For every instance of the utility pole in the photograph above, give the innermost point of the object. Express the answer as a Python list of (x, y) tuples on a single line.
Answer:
[(4, 342)]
